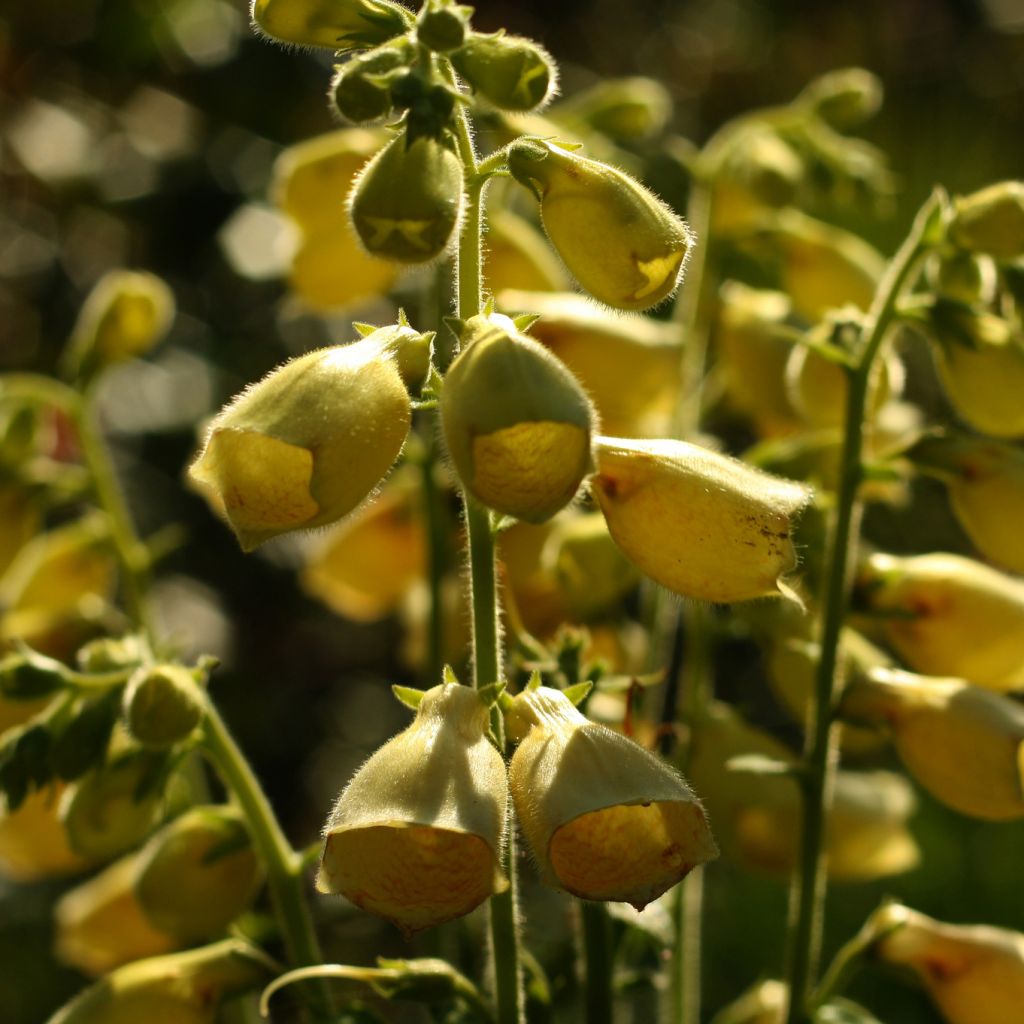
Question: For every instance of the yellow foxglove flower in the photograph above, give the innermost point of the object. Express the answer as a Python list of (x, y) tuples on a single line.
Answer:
[(100, 924), (125, 315), (606, 819), (330, 270), (518, 256), (333, 24), (179, 988), (991, 221), (629, 366), (516, 421), (702, 524), (407, 201), (973, 973), (33, 843), (757, 814), (623, 245), (366, 564), (308, 443), (985, 480), (946, 615), (961, 743), (753, 340), (197, 874), (416, 836)]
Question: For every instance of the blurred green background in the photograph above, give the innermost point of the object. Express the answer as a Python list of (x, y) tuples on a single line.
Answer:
[(141, 133)]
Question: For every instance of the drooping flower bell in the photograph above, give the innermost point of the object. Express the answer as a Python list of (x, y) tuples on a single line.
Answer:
[(308, 443), (516, 422), (946, 615), (606, 819), (623, 245), (960, 742), (702, 524), (416, 836), (335, 24)]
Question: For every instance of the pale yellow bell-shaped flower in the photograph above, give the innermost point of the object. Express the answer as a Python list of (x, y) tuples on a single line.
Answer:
[(101, 925), (308, 443), (946, 615), (33, 843), (973, 973), (629, 366), (991, 220), (606, 819), (960, 742), (700, 523), (518, 255), (416, 836), (178, 988), (337, 25)]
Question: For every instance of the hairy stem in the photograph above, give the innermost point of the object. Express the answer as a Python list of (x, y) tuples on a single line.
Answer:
[(807, 894), (598, 962)]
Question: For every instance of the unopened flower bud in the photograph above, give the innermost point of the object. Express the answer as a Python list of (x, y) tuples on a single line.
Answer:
[(985, 480), (606, 819), (126, 314), (100, 924), (973, 973), (629, 367), (623, 245), (980, 359), (961, 743), (442, 25), (179, 988), (197, 874), (115, 806), (624, 109), (946, 615), (963, 276), (702, 524), (407, 201), (162, 705), (28, 676), (360, 90), (845, 97), (416, 836), (511, 72), (991, 221), (335, 24), (308, 443), (516, 422)]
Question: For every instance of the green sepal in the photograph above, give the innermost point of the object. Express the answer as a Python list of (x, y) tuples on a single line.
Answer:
[(364, 330), (491, 693), (535, 682), (525, 321), (578, 692), (408, 695), (448, 676)]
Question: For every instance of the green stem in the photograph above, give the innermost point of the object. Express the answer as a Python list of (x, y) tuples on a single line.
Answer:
[(504, 932), (598, 962), (820, 756), (437, 551), (281, 863)]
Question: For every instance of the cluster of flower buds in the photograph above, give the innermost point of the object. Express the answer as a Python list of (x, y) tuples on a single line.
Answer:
[(417, 835), (309, 443)]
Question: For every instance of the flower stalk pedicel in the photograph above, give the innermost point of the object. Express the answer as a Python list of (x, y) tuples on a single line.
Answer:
[(416, 836), (606, 819)]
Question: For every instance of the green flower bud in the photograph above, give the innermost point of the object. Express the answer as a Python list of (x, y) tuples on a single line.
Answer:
[(963, 276), (442, 26), (949, 616), (845, 97), (697, 522), (335, 24), (307, 444), (980, 361), (162, 705), (991, 221), (511, 72), (360, 89), (179, 988), (197, 874), (407, 201), (624, 109), (623, 245), (112, 808), (126, 314), (29, 676), (516, 422), (108, 654)]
